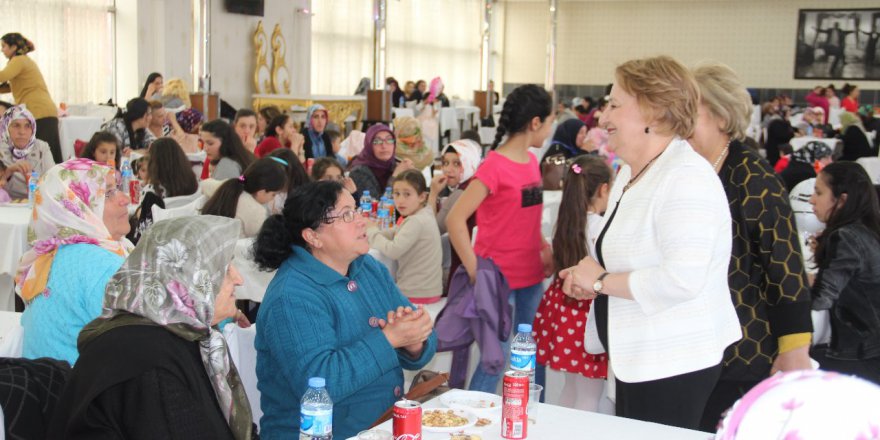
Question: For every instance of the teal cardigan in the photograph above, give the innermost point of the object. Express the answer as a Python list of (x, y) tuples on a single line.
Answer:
[(75, 295), (311, 324)]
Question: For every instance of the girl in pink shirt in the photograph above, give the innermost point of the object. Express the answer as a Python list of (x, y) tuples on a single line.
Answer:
[(507, 195)]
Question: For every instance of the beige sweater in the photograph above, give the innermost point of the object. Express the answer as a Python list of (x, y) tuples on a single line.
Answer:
[(415, 245), (251, 213)]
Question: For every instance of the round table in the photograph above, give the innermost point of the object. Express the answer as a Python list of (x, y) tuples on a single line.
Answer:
[(14, 221)]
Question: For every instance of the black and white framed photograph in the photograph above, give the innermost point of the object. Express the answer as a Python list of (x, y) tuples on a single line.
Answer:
[(838, 44)]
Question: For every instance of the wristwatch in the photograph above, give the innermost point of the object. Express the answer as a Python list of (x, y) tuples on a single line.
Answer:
[(599, 285)]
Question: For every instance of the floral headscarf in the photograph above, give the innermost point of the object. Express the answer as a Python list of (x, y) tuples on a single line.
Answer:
[(469, 153), (13, 113), (411, 143), (172, 279), (189, 119), (68, 209), (811, 152), (804, 405)]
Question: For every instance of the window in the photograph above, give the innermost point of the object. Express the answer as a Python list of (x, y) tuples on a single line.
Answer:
[(73, 41), (342, 45)]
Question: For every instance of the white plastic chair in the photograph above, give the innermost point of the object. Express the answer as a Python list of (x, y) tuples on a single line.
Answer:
[(189, 209), (872, 166)]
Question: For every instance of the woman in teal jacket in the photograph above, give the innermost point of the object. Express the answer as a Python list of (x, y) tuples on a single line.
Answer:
[(333, 312)]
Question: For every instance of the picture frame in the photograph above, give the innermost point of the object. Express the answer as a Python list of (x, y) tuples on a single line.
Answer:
[(838, 44)]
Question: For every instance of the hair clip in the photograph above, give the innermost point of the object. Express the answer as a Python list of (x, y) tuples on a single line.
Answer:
[(241, 178), (279, 160), (576, 168)]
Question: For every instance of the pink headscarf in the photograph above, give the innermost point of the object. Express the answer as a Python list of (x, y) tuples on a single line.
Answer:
[(434, 90)]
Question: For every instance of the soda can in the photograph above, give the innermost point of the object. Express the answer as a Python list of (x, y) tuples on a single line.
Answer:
[(310, 162), (375, 208), (134, 191), (515, 398), (408, 420)]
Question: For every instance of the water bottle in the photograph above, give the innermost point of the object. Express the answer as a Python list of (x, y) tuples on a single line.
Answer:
[(127, 175), (387, 194), (32, 188), (366, 204), (382, 217), (316, 412), (390, 206), (385, 213), (523, 350)]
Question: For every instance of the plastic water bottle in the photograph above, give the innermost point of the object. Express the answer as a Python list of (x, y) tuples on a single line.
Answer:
[(387, 194), (382, 217), (316, 412), (32, 188), (366, 204), (523, 350), (390, 204), (127, 175)]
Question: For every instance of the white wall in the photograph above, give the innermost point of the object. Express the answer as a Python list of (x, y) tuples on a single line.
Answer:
[(162, 32), (755, 37)]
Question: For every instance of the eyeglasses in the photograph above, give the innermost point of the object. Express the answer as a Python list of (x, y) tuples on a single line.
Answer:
[(378, 141), (347, 216), (112, 192)]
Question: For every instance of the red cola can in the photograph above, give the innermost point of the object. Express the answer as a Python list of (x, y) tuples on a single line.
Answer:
[(515, 398), (134, 191), (408, 420), (310, 162)]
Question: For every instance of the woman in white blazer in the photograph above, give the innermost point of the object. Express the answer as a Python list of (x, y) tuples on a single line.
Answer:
[(663, 309)]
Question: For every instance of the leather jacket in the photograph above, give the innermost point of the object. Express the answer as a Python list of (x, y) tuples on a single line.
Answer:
[(848, 284)]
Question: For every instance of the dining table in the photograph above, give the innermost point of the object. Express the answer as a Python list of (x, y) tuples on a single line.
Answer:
[(14, 220)]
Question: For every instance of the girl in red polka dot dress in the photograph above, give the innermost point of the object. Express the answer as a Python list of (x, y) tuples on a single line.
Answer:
[(561, 321)]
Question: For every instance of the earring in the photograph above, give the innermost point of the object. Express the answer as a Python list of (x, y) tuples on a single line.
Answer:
[(647, 130)]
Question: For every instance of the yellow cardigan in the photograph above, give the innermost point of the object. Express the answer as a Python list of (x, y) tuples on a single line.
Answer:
[(28, 87)]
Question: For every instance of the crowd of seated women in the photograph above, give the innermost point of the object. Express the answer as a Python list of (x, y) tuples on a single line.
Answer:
[(135, 306)]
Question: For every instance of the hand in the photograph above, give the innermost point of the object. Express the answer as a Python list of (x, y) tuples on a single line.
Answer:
[(24, 167), (578, 280), (126, 151), (249, 143), (793, 360), (370, 223), (297, 142), (410, 330), (547, 260), (241, 319), (404, 165), (348, 184), (437, 183), (471, 271)]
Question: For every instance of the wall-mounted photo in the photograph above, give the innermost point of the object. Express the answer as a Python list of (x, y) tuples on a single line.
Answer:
[(838, 44)]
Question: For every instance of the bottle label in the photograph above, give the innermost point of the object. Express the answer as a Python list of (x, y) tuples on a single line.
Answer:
[(316, 422), (522, 360), (366, 207)]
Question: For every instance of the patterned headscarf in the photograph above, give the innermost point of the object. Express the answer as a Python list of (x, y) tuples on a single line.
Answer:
[(13, 113), (806, 404), (411, 143), (848, 119), (68, 209), (434, 90), (189, 119), (318, 147), (811, 152), (469, 153), (172, 278)]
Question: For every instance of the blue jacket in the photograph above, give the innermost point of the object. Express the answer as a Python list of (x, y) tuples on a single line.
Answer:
[(311, 324)]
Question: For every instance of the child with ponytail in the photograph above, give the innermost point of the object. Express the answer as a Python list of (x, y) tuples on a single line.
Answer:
[(561, 320), (246, 197), (506, 193)]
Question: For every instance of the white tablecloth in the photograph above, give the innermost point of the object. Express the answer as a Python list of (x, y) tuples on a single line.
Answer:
[(556, 422), (13, 236), (71, 128), (11, 334), (401, 112)]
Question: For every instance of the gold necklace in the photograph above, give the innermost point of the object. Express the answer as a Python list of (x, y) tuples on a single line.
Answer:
[(632, 180)]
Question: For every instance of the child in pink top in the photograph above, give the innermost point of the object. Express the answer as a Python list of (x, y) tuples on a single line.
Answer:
[(506, 193)]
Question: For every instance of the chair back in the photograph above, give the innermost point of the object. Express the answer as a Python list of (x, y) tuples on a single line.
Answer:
[(189, 209)]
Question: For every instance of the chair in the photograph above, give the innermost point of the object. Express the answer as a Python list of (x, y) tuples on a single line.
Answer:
[(240, 342), (191, 208), (872, 166), (178, 201)]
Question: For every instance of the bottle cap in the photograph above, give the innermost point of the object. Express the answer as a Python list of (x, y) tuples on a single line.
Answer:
[(366, 192), (524, 328), (317, 382)]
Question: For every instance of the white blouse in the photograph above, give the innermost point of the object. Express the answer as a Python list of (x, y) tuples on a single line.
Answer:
[(672, 233)]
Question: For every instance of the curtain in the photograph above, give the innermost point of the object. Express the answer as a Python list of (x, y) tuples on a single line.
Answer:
[(342, 45), (74, 44), (424, 39), (429, 39)]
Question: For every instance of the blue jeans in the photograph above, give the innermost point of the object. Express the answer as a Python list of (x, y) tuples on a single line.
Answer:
[(525, 304)]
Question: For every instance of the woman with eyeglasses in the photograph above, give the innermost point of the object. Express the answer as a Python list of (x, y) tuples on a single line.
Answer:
[(374, 167), (331, 311), (79, 226)]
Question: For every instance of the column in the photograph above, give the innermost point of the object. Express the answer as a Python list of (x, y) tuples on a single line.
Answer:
[(550, 76), (380, 10)]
